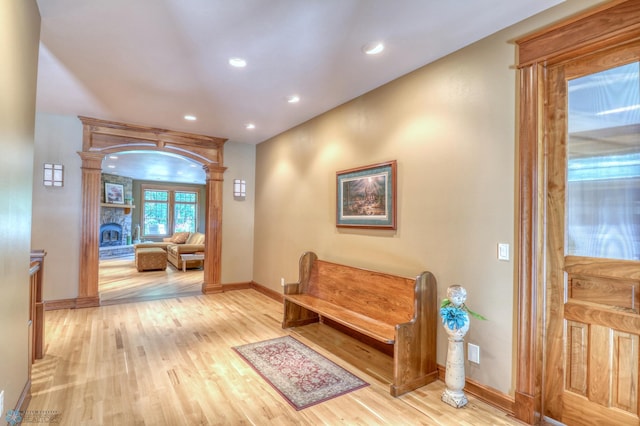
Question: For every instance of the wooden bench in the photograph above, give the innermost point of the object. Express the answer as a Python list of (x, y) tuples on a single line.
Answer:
[(396, 311)]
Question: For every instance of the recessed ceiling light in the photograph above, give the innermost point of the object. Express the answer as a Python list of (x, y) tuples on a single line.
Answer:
[(189, 117), (373, 48), (237, 62), (293, 99), (250, 126)]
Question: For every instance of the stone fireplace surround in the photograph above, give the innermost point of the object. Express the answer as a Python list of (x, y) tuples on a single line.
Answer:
[(115, 216), (116, 220), (111, 235)]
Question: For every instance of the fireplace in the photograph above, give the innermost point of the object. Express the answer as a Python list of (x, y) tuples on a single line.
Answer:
[(111, 235)]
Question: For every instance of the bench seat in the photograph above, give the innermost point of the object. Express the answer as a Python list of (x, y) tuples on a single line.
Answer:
[(373, 328)]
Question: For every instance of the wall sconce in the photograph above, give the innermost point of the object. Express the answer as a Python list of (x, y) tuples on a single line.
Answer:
[(239, 188), (53, 175)]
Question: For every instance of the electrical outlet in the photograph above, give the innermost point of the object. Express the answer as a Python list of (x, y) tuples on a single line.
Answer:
[(282, 281), (473, 353)]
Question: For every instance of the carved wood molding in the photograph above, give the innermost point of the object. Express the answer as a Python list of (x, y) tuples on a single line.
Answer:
[(607, 26), (610, 24), (101, 137), (110, 136)]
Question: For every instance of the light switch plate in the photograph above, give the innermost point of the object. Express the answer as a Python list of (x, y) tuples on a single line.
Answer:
[(503, 251)]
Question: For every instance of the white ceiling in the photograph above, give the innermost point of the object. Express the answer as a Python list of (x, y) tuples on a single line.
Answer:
[(162, 167), (150, 62)]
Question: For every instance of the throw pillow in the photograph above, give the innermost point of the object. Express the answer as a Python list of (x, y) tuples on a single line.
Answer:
[(180, 237), (196, 238)]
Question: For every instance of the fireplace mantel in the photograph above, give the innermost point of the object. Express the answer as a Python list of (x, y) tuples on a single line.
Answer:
[(127, 207)]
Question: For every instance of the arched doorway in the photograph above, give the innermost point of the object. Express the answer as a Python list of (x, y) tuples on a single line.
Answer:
[(101, 138)]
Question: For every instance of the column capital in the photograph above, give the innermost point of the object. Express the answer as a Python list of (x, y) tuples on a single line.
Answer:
[(91, 160), (214, 171)]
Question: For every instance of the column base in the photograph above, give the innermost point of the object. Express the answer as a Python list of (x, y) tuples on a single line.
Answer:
[(456, 399), (208, 288)]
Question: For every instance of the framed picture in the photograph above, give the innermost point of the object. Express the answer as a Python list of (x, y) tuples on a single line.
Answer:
[(113, 193), (366, 197)]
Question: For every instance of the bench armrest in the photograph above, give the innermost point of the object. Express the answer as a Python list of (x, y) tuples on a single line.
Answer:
[(291, 288), (305, 264)]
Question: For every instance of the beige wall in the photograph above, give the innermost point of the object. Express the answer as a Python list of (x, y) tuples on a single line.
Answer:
[(451, 126), (19, 34), (57, 211), (237, 214)]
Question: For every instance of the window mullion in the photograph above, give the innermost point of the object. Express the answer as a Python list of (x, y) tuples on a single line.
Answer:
[(172, 226)]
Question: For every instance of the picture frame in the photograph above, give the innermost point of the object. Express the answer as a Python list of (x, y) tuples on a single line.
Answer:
[(113, 193), (366, 196)]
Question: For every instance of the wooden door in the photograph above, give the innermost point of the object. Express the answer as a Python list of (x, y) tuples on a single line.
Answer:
[(592, 234)]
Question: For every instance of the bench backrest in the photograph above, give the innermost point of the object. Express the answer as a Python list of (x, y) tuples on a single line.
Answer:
[(385, 297)]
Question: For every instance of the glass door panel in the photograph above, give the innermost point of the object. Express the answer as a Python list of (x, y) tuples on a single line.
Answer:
[(603, 164)]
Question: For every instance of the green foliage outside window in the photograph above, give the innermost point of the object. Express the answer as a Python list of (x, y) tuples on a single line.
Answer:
[(186, 197), (154, 195), (185, 209), (156, 212), (157, 221)]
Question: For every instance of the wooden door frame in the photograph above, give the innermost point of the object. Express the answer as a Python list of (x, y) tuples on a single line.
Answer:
[(610, 25), (101, 138)]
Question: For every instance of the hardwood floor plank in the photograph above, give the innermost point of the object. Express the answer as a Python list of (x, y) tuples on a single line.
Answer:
[(120, 282), (170, 362)]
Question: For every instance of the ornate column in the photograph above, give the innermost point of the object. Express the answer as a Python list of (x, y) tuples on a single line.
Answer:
[(89, 231), (456, 324), (213, 236), (528, 404)]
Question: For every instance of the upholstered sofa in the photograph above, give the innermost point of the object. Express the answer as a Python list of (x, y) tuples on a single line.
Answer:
[(179, 243), (193, 244)]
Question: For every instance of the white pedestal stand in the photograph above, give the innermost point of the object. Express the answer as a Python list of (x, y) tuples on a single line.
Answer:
[(454, 376), (136, 234)]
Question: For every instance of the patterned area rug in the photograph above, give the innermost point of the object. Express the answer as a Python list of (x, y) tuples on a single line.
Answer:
[(301, 375)]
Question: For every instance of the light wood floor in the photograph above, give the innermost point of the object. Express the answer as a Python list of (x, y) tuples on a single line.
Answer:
[(120, 282), (170, 362)]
